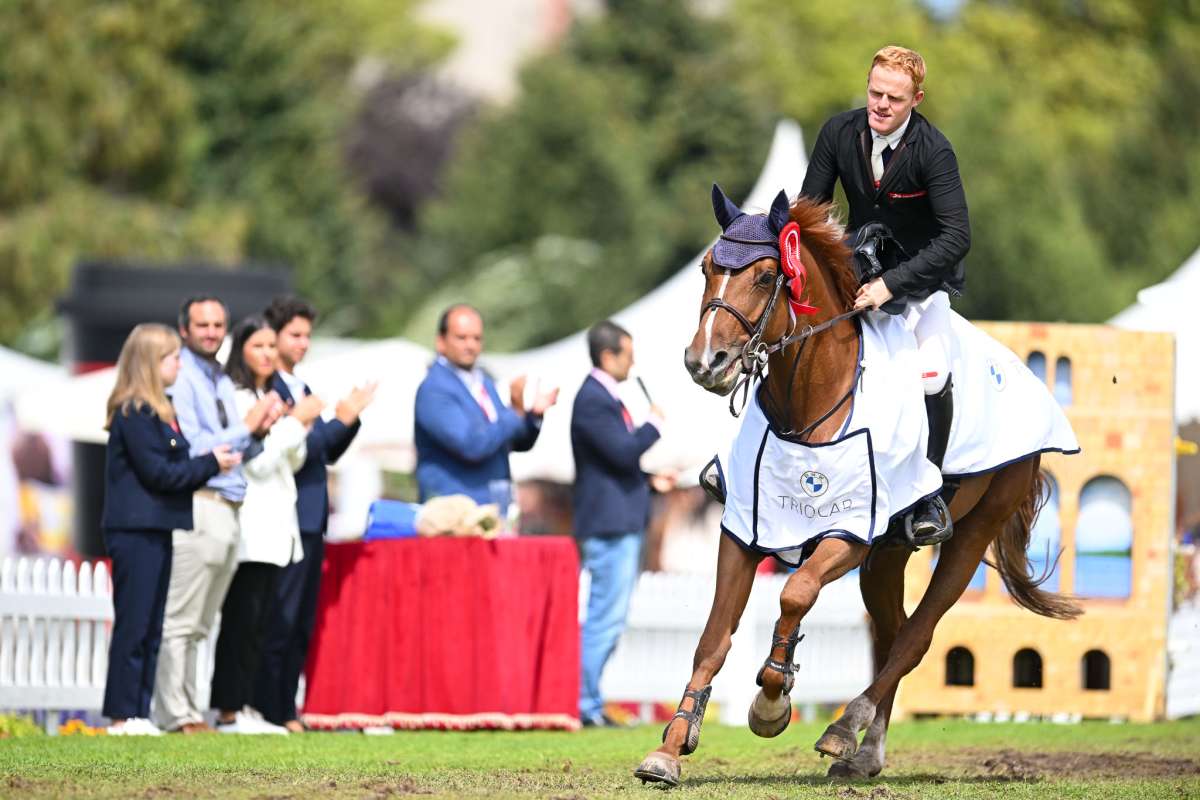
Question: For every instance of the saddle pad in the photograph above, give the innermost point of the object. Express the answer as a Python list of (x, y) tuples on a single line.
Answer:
[(782, 497), (1002, 411)]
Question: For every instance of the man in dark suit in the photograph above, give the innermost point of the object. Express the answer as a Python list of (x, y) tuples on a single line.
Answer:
[(294, 607), (463, 433), (898, 169), (612, 502)]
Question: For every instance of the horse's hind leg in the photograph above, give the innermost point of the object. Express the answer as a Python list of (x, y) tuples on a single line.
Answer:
[(771, 710), (735, 579), (882, 586), (957, 563)]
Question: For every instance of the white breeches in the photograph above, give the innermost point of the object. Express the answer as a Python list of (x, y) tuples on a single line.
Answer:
[(929, 319)]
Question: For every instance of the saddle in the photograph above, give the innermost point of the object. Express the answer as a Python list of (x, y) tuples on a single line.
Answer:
[(876, 250)]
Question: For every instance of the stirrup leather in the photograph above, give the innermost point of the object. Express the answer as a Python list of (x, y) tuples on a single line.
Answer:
[(694, 718), (786, 666)]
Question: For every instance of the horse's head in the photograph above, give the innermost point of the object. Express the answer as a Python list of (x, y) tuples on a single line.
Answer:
[(744, 277)]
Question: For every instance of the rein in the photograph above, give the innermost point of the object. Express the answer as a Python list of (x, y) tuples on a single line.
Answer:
[(756, 352)]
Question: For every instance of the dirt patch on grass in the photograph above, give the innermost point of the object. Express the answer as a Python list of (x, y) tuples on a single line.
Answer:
[(396, 788), (874, 793), (1016, 765), (16, 782)]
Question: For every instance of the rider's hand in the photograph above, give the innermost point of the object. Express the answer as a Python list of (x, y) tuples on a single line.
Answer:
[(873, 294)]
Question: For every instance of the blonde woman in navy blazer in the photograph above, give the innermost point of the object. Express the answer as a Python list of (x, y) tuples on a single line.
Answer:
[(149, 479)]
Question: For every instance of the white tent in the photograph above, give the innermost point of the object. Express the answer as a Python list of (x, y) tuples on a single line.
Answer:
[(398, 366), (1170, 307), (19, 372), (698, 424)]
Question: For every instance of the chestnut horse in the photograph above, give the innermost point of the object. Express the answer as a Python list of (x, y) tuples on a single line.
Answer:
[(807, 380)]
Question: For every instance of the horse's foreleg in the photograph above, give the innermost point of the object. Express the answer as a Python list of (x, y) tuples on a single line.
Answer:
[(771, 710), (882, 586), (956, 564), (735, 579)]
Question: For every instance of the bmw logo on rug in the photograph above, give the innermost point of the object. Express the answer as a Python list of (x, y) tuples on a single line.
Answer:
[(814, 484), (996, 376)]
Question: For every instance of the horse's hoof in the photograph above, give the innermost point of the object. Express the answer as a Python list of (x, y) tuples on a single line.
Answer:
[(848, 769), (769, 718), (837, 742), (659, 768)]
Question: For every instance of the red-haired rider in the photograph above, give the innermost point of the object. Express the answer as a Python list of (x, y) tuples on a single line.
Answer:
[(899, 170)]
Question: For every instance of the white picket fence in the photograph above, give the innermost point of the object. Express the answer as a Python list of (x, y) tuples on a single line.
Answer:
[(1183, 654), (55, 620), (54, 623), (653, 660)]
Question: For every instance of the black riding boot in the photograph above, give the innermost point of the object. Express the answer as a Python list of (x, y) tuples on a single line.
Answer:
[(929, 522)]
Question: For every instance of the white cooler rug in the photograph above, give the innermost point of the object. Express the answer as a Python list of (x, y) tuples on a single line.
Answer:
[(783, 496)]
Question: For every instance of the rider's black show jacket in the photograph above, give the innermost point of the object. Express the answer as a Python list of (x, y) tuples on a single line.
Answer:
[(920, 197)]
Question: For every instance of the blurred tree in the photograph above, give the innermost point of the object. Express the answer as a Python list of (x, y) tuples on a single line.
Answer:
[(516, 314), (98, 132), (599, 172), (1143, 203), (274, 79), (1075, 125), (163, 129), (401, 139)]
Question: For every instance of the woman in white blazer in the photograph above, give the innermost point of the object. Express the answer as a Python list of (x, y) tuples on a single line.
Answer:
[(270, 533)]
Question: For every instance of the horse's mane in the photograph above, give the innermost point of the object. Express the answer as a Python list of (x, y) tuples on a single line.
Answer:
[(823, 235)]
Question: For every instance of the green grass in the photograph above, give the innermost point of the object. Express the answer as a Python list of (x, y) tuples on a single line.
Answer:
[(928, 759)]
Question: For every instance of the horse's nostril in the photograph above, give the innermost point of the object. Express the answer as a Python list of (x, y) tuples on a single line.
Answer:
[(718, 360)]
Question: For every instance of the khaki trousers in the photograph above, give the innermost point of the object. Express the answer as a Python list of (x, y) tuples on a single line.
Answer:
[(202, 567)]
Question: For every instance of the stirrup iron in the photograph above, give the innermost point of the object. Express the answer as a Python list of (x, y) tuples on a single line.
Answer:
[(942, 534)]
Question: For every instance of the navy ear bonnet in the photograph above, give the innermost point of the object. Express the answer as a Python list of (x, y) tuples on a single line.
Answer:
[(745, 238)]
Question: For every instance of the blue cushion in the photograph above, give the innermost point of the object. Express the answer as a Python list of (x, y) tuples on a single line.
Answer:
[(391, 519)]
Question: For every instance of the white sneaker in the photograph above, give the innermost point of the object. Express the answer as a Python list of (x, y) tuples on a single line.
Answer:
[(260, 721), (135, 726), (246, 724)]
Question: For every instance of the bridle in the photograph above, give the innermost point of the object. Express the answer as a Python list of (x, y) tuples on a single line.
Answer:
[(756, 352)]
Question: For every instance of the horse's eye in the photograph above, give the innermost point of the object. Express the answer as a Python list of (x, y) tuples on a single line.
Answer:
[(765, 279)]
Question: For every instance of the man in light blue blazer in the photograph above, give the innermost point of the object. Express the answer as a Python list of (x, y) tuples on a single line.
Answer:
[(463, 433)]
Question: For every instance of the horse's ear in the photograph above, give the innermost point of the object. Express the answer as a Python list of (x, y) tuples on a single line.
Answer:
[(779, 212), (724, 208)]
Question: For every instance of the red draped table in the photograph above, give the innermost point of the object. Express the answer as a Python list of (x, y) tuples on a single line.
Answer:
[(446, 633)]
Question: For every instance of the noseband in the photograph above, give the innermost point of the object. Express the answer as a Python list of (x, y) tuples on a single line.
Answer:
[(756, 352)]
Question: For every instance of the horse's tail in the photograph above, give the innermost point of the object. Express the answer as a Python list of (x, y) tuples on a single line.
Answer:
[(1009, 550)]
